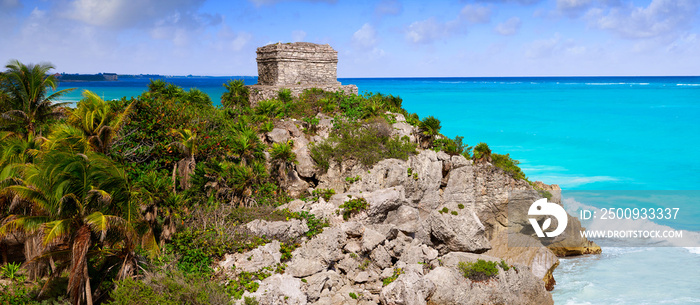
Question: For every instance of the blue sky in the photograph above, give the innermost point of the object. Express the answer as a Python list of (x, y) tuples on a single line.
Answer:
[(386, 38)]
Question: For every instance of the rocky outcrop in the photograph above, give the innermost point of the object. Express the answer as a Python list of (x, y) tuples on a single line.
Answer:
[(423, 216)]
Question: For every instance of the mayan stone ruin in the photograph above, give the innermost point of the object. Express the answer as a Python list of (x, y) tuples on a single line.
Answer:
[(296, 66)]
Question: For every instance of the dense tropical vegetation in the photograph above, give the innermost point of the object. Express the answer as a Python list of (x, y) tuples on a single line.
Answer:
[(128, 200)]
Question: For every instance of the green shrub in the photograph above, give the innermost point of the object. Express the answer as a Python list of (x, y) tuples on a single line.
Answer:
[(452, 146), (285, 95), (169, 287), (509, 165), (454, 213), (353, 295), (326, 194), (250, 301), (460, 206), (366, 143), (269, 108), (353, 206), (482, 151), (478, 271), (10, 270), (444, 210), (430, 126), (236, 95)]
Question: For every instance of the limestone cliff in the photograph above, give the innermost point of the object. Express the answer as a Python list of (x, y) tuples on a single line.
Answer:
[(424, 216)]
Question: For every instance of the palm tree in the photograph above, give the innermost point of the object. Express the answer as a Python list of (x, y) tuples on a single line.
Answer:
[(482, 153), (282, 156), (246, 146), (429, 128), (236, 94), (82, 201), (187, 144), (98, 121), (30, 107)]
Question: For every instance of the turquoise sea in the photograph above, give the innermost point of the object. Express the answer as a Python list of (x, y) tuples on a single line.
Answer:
[(583, 133)]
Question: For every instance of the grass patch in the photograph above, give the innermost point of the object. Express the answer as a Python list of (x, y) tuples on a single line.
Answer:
[(480, 270), (367, 143)]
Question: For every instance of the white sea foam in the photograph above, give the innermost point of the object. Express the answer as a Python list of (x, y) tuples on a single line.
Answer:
[(690, 85), (568, 182)]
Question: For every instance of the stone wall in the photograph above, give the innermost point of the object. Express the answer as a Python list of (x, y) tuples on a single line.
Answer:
[(297, 63), (260, 93), (296, 66)]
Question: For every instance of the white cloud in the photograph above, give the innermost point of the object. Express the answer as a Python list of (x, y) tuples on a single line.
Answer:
[(425, 31), (475, 14), (428, 30), (660, 18), (136, 13), (508, 27), (298, 35), (573, 8), (229, 40), (365, 37)]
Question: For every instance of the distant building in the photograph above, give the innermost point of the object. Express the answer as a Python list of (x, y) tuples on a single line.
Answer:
[(88, 77), (112, 77), (296, 66)]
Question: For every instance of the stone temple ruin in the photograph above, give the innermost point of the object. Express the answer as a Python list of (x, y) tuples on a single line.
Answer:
[(296, 66)]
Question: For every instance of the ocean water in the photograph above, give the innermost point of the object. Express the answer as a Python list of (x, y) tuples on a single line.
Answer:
[(583, 133)]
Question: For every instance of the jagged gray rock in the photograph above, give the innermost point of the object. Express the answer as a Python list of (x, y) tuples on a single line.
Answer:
[(410, 288), (278, 229), (253, 260), (278, 135), (317, 254), (279, 289), (463, 232)]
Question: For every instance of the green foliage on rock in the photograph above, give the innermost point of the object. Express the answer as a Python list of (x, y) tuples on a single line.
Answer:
[(509, 165), (366, 143), (480, 270), (170, 287), (353, 206)]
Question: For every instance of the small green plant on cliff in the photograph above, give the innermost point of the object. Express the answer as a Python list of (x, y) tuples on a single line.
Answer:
[(250, 301), (353, 206), (444, 210), (353, 295), (460, 206), (429, 128), (326, 194), (352, 180), (451, 146), (364, 265), (454, 213), (504, 265), (482, 152), (389, 280), (509, 165), (480, 270), (286, 250)]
